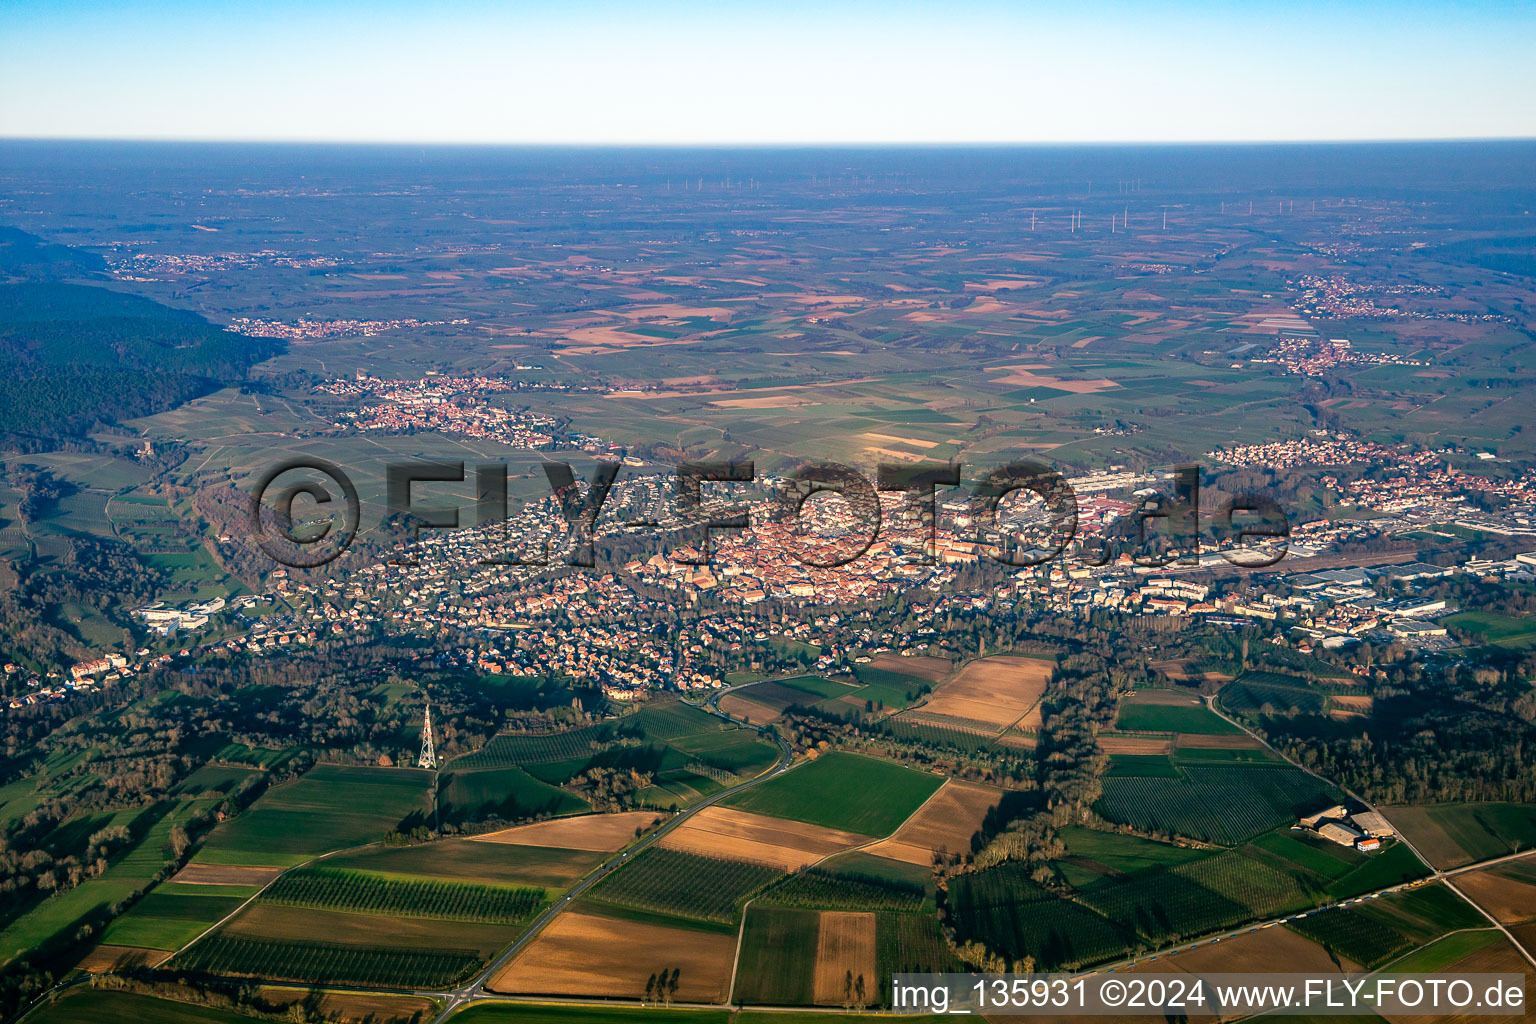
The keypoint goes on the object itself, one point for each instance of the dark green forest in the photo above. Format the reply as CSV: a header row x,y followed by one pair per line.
x,y
74,356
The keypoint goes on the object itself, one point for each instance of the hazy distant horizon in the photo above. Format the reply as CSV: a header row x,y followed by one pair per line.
x,y
1495,170
813,144
678,72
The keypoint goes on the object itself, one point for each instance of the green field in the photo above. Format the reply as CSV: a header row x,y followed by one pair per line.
x,y
689,753
510,794
465,860
218,779
1390,866
1099,856
169,917
776,964
1248,696
895,690
258,757
804,691
737,751
1336,872
1016,918
1166,718
1492,628
1376,931
843,791
510,750
883,869
330,807
670,720
129,873
1205,895
1488,830
676,788
816,686
1444,952
1303,851
1201,755
1142,766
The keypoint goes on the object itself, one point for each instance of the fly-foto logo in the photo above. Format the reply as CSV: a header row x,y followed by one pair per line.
x,y
1166,527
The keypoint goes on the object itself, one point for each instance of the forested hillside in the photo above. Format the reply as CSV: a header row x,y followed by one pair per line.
x,y
76,355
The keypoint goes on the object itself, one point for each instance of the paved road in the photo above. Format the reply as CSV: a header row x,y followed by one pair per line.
x,y
1210,703
1362,898
473,991
1438,874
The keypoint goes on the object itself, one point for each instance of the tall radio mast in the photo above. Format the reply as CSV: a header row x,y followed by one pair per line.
x,y
428,758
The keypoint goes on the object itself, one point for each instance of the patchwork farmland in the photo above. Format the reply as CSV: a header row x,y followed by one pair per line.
x,y
328,808
689,753
433,912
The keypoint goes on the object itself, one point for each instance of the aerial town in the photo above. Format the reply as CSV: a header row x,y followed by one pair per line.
x,y
572,621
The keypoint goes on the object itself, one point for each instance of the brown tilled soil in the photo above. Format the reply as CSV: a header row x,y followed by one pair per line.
x,y
598,833
1511,900
1427,836
845,943
946,822
351,1007
753,712
112,958
1198,742
1499,958
583,954
1256,952
1023,378
218,874
301,924
932,669
1178,697
997,691
741,835
1112,743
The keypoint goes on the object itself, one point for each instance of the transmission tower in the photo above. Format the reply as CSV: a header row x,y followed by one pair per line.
x,y
428,758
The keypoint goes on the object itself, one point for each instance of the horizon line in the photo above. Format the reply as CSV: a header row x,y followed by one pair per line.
x,y
758,144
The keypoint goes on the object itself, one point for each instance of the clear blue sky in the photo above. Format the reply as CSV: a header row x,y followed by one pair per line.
x,y
745,72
